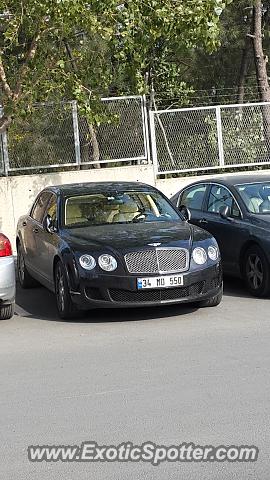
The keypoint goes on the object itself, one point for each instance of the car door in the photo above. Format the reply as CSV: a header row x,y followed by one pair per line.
x,y
31,230
193,198
230,233
48,242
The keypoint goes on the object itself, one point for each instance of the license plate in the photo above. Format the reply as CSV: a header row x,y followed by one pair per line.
x,y
160,282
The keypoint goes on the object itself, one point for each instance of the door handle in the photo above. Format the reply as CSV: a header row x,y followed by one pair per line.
x,y
35,230
203,221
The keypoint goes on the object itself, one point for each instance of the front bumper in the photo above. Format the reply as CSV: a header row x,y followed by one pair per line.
x,y
112,291
7,280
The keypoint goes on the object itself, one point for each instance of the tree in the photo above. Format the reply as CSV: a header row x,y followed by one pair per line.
x,y
260,59
154,38
67,49
36,40
261,67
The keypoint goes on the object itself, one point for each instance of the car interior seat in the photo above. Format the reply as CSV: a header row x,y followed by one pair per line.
x,y
109,213
265,205
216,203
254,205
196,201
127,212
74,214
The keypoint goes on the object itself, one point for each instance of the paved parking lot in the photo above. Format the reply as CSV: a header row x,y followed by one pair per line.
x,y
169,375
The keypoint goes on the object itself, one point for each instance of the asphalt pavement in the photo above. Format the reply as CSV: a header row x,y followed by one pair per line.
x,y
167,375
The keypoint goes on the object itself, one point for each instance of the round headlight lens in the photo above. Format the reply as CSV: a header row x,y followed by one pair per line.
x,y
213,252
107,263
199,256
87,261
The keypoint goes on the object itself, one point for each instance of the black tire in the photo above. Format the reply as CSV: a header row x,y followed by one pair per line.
x,y
25,279
65,307
255,270
213,301
6,311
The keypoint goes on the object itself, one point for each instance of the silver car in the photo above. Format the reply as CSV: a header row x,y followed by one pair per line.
x,y
7,279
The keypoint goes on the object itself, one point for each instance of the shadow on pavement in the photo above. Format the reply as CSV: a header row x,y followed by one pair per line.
x,y
235,287
39,303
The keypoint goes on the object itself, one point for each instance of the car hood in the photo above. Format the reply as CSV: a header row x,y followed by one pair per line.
x,y
130,236
261,220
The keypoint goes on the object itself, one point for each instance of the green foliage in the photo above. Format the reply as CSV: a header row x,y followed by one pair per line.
x,y
67,49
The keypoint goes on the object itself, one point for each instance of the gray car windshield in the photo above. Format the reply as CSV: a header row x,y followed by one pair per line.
x,y
117,207
256,196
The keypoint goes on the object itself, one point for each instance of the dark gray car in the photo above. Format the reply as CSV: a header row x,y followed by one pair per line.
x,y
235,209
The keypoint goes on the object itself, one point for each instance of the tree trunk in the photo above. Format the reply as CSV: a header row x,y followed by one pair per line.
x,y
261,68
243,72
95,145
5,122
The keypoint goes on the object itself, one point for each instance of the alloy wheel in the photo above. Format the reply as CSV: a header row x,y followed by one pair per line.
x,y
60,290
254,271
21,266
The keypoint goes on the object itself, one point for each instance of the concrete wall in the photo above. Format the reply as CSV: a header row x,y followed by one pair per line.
x,y
18,193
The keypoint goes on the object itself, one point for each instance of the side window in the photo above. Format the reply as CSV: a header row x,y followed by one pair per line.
x,y
38,210
193,197
221,197
52,209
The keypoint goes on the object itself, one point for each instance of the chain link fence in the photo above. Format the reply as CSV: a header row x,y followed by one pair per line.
x,y
124,138
43,139
2,158
246,134
2,169
56,136
182,140
205,138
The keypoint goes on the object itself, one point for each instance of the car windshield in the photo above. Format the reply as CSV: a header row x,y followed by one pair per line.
x,y
256,196
117,207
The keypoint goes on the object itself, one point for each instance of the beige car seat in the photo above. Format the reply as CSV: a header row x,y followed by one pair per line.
x,y
127,212
74,214
254,205
109,213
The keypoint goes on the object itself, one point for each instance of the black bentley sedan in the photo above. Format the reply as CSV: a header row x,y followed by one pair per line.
x,y
235,209
114,245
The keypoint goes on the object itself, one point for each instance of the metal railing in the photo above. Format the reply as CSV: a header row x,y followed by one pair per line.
x,y
57,136
205,138
182,140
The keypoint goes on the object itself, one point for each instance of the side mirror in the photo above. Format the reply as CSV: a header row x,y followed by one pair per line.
x,y
185,212
48,224
225,212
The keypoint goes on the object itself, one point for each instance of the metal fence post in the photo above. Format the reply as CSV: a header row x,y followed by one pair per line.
x,y
153,141
146,129
220,137
76,132
5,152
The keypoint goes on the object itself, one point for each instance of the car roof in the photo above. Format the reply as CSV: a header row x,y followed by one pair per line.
x,y
235,179
98,187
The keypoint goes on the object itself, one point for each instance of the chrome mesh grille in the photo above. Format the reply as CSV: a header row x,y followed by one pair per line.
x,y
171,260
160,260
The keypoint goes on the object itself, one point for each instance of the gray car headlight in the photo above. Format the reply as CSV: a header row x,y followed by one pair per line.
x,y
87,262
107,263
199,256
213,252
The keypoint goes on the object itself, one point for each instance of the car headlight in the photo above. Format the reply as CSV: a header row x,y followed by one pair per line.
x,y
213,252
199,255
87,261
107,263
